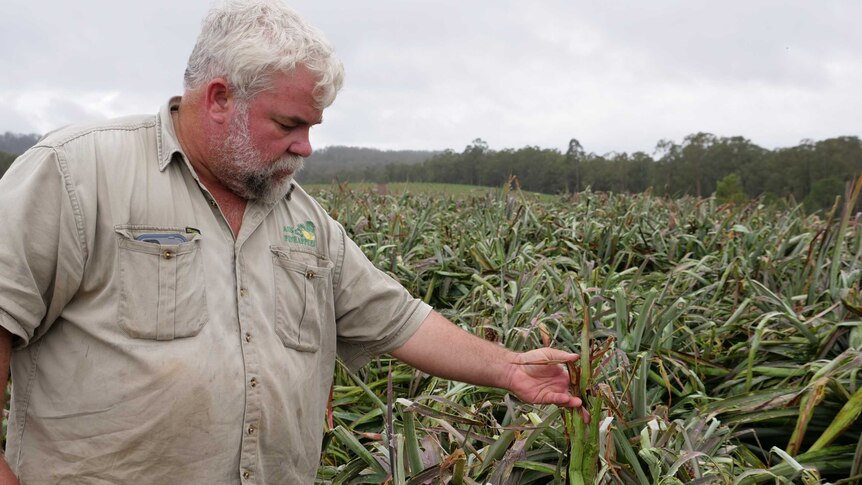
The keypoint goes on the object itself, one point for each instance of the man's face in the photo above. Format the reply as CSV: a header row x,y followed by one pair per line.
x,y
267,139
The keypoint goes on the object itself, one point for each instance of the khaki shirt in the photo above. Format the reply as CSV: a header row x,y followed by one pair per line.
x,y
207,361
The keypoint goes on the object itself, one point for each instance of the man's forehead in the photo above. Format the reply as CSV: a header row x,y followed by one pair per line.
x,y
291,98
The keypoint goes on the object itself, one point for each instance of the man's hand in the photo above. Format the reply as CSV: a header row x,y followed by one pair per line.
x,y
539,377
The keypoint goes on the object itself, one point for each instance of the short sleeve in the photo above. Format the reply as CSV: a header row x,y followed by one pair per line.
x,y
41,257
374,313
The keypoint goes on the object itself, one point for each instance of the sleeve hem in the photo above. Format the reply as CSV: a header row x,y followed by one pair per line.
x,y
15,328
394,341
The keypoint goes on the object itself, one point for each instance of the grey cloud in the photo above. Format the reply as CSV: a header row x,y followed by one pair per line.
x,y
436,74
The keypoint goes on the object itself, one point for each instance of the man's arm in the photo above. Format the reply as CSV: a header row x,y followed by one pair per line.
x,y
6,475
441,348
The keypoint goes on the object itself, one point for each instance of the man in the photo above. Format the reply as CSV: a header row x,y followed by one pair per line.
x,y
174,302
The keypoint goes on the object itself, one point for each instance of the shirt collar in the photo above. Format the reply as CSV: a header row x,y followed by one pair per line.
x,y
168,143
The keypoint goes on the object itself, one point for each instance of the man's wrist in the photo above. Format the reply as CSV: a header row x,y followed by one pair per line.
x,y
511,361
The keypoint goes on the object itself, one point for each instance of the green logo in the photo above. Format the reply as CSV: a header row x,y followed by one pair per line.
x,y
301,234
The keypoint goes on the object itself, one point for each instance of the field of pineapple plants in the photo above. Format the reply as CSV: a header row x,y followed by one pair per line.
x,y
720,344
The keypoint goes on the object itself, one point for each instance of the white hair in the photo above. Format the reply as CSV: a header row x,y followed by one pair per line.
x,y
246,41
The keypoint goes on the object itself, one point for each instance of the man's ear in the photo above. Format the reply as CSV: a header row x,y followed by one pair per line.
x,y
218,100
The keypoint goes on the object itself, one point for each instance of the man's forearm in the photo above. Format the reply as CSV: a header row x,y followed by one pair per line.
x,y
443,349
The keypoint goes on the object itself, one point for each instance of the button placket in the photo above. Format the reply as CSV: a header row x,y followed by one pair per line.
x,y
250,450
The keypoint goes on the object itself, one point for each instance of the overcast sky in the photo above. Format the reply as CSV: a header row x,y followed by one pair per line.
x,y
435,74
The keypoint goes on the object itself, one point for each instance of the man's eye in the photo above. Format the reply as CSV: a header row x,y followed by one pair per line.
x,y
286,127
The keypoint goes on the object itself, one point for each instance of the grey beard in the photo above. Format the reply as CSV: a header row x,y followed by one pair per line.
x,y
257,186
262,187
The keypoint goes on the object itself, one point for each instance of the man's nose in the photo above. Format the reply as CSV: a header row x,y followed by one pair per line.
x,y
302,145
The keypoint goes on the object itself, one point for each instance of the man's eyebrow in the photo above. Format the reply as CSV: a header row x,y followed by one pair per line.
x,y
298,120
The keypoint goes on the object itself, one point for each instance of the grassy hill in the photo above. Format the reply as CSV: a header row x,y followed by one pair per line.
x,y
419,189
6,160
328,163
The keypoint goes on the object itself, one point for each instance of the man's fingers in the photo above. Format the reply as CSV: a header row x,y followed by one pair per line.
x,y
577,403
585,415
555,354
546,356
566,400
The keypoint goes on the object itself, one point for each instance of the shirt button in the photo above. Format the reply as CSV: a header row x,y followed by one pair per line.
x,y
251,429
309,274
214,204
253,382
242,292
168,254
246,475
248,337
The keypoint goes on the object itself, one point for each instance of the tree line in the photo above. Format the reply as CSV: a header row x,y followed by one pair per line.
x,y
12,144
6,160
701,165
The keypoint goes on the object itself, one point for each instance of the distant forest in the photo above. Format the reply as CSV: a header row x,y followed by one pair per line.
x,y
12,144
731,168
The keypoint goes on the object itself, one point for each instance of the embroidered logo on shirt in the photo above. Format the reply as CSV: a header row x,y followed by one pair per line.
x,y
301,234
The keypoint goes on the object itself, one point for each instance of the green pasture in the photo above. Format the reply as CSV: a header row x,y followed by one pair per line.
x,y
419,189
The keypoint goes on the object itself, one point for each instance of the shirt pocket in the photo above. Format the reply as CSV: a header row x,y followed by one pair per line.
x,y
303,297
162,290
